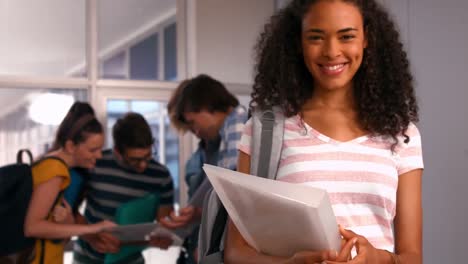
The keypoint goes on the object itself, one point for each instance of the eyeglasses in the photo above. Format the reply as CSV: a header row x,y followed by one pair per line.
x,y
137,160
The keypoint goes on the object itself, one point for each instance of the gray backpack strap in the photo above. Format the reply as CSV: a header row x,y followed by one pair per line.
x,y
213,212
266,142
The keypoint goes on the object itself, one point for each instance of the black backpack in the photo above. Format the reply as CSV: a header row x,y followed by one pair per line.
x,y
16,185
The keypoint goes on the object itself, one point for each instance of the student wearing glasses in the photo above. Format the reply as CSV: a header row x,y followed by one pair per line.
x,y
126,172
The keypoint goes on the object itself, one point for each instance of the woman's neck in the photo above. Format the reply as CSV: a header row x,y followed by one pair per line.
x,y
60,153
341,99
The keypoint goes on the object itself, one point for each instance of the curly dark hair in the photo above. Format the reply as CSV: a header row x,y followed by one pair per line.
x,y
383,88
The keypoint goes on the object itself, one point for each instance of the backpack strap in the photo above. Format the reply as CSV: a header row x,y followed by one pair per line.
x,y
57,201
266,142
55,241
268,121
50,157
210,239
19,156
267,138
218,230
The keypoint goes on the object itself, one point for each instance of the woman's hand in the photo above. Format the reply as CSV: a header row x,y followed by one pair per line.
x,y
366,253
311,257
101,226
63,213
331,256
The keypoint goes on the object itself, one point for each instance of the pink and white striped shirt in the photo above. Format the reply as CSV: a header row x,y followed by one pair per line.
x,y
360,175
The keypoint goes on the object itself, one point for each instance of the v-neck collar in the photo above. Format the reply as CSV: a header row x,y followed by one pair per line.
x,y
312,131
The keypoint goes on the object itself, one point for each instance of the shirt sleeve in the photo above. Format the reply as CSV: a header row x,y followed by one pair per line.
x,y
246,138
410,154
49,168
230,138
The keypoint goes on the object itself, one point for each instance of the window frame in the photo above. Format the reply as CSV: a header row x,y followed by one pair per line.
x,y
99,90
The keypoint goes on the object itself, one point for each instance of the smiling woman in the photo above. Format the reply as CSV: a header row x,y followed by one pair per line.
x,y
333,45
49,217
338,72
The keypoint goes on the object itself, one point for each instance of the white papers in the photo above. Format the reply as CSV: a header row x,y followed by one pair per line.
x,y
143,232
136,232
276,218
161,231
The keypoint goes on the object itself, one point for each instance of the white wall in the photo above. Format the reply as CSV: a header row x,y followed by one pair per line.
x,y
437,34
226,32
439,41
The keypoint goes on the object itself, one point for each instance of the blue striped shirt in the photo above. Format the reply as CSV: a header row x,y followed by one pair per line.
x,y
231,133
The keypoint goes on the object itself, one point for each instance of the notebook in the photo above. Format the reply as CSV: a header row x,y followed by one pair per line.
x,y
137,211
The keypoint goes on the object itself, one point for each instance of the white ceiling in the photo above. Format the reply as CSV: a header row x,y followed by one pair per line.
x,y
47,37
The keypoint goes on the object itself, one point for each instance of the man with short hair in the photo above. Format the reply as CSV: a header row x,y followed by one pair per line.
x,y
204,106
126,172
210,111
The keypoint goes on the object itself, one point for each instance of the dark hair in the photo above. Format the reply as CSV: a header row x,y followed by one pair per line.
x,y
383,88
172,107
79,122
132,131
203,93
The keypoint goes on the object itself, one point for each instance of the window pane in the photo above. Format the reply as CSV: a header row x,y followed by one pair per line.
x,y
170,53
146,107
139,28
115,67
30,117
144,59
45,38
167,142
118,106
172,151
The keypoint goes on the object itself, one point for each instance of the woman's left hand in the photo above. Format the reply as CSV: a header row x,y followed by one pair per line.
x,y
366,253
63,213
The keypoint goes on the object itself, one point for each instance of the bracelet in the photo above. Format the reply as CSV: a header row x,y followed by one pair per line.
x,y
395,259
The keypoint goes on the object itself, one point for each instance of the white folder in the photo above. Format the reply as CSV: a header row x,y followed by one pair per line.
x,y
276,218
144,231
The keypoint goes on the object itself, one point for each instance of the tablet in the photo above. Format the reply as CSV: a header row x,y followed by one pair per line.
x,y
137,211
